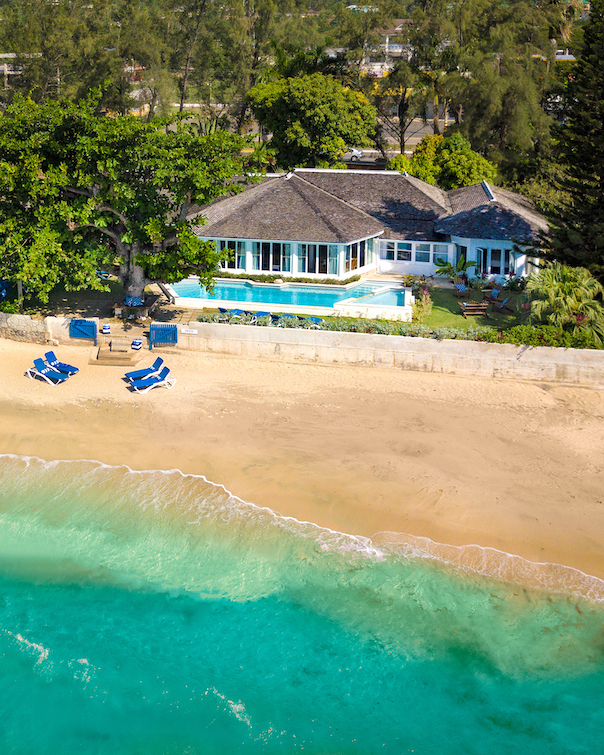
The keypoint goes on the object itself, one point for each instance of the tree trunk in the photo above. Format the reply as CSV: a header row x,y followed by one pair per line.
x,y
185,80
132,275
435,116
403,110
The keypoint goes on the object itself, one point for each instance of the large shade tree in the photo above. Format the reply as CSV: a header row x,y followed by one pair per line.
x,y
312,118
77,188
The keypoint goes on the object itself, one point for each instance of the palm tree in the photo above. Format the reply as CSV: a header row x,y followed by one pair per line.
x,y
568,297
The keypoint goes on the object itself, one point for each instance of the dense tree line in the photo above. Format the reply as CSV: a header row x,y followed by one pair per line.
x,y
482,69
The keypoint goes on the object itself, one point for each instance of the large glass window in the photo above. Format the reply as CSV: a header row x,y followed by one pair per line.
x,y
301,258
496,261
332,260
388,250
229,248
276,257
322,267
256,254
506,261
482,260
307,258
241,255
440,252
286,258
403,251
422,252
370,248
266,255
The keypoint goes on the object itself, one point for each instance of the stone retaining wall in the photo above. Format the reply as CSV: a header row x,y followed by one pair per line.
x,y
22,328
580,366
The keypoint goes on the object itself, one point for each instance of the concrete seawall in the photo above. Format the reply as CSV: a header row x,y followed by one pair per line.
x,y
581,366
578,366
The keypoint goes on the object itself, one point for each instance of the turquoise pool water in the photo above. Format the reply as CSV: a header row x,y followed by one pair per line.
x,y
151,613
287,294
393,297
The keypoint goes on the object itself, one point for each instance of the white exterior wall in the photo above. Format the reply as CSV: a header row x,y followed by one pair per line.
x,y
413,266
520,262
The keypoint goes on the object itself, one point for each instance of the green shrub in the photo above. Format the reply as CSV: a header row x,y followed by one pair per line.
x,y
259,278
10,307
545,335
519,335
422,306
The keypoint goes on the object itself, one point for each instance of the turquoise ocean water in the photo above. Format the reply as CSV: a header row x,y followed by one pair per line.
x,y
151,612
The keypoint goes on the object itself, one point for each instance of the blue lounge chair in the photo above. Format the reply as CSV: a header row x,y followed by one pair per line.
x,y
256,315
162,379
502,306
60,366
42,370
147,372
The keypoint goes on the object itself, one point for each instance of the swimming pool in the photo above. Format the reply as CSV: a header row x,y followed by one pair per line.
x,y
271,294
375,299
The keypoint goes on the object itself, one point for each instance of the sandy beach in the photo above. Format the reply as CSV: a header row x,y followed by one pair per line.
x,y
510,465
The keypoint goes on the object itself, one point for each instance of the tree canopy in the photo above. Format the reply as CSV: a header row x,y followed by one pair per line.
x,y
568,297
577,235
313,119
447,161
77,188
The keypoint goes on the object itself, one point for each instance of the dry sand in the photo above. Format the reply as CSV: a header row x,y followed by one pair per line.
x,y
511,465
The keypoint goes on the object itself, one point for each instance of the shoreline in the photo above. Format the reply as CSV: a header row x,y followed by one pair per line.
x,y
510,466
488,562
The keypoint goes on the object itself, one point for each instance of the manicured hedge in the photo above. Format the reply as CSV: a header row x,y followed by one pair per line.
x,y
520,335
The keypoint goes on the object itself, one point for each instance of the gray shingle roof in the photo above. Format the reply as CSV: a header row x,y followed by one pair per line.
x,y
337,206
505,216
287,208
406,206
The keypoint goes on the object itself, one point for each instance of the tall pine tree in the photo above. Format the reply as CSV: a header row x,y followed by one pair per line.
x,y
577,234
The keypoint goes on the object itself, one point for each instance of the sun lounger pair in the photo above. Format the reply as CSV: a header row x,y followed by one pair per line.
x,y
52,370
155,376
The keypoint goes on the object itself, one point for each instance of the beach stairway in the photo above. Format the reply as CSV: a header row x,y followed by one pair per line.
x,y
117,352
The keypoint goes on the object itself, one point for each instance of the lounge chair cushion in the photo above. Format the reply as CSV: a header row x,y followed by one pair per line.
x,y
146,372
60,366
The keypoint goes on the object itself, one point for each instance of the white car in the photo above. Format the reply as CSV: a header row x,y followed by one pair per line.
x,y
355,154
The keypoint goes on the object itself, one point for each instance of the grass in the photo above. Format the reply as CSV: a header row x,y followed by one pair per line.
x,y
446,313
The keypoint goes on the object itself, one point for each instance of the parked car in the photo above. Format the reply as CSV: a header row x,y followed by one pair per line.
x,y
355,154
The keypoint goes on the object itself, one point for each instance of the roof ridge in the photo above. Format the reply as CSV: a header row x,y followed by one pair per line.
x,y
447,206
334,196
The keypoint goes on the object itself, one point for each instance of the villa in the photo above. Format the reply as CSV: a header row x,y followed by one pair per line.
x,y
317,223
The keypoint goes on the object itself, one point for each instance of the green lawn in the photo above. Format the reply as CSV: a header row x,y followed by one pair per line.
x,y
447,314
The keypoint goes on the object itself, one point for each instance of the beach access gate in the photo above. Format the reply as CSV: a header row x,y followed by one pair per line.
x,y
83,329
162,333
